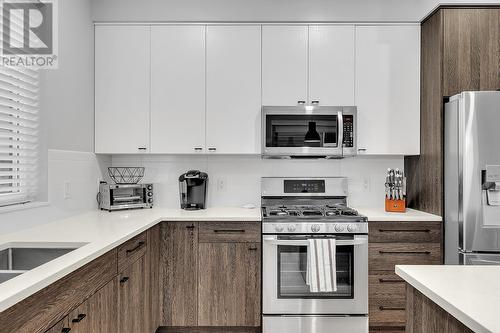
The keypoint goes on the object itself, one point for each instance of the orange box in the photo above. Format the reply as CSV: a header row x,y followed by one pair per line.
x,y
395,206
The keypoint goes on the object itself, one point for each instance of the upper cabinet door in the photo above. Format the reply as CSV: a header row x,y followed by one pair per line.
x,y
177,89
331,65
122,79
233,89
388,89
284,64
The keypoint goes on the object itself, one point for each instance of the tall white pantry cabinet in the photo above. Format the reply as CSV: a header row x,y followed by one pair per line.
x,y
199,89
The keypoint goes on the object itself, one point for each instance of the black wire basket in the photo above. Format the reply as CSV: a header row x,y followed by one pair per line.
x,y
126,175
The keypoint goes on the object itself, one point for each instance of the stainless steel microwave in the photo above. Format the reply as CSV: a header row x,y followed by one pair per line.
x,y
308,131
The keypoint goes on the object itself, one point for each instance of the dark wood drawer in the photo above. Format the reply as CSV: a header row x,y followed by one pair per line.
x,y
384,256
386,285
405,232
387,313
210,232
132,250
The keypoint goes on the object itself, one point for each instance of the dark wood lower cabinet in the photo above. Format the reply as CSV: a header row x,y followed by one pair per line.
x,y
132,298
229,284
425,316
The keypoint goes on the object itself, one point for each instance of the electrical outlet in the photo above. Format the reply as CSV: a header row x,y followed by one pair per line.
x,y
67,190
221,184
366,183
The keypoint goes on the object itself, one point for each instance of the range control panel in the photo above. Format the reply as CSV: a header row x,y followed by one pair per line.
x,y
348,131
304,186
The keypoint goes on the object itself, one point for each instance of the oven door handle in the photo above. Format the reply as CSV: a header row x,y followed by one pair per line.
x,y
304,242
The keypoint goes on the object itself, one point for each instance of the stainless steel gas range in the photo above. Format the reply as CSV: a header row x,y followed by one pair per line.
x,y
294,212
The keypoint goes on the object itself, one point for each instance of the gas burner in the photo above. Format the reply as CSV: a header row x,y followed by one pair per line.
x,y
312,213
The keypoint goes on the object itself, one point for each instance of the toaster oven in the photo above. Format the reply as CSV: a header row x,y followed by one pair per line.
x,y
125,196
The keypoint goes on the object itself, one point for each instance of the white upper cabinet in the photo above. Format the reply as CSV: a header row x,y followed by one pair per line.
x,y
388,89
122,79
178,89
284,64
331,65
233,89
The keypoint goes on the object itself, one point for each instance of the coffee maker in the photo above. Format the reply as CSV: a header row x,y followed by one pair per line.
x,y
193,190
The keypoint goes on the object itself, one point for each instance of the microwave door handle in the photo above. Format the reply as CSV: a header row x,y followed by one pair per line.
x,y
340,139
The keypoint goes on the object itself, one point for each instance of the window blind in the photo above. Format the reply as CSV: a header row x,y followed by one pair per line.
x,y
19,121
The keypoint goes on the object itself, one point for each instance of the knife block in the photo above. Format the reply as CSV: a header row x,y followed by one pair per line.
x,y
395,206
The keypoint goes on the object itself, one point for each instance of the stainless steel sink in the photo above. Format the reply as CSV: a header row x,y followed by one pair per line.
x,y
17,259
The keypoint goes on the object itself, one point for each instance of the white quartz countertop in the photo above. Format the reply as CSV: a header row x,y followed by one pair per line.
x,y
380,215
99,231
471,294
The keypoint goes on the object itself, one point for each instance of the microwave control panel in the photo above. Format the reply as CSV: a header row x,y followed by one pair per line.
x,y
348,131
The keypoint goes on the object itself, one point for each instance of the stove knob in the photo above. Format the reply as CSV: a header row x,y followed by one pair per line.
x,y
339,228
291,228
278,228
352,227
315,228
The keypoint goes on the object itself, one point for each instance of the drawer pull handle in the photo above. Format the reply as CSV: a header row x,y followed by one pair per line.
x,y
80,317
124,279
139,245
252,249
391,308
65,330
404,230
390,281
405,252
229,231
190,227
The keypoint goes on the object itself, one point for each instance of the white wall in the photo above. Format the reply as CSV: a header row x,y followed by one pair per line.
x,y
241,176
268,10
67,94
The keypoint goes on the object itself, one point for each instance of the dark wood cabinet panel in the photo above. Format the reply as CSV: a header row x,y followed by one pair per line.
x,y
384,256
103,309
153,268
61,327
229,284
425,316
471,52
132,298
47,307
387,300
179,264
405,232
460,52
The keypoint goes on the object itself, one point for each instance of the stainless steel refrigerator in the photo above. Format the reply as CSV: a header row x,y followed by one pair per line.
x,y
472,178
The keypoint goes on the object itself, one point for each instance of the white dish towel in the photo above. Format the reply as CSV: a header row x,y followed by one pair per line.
x,y
321,275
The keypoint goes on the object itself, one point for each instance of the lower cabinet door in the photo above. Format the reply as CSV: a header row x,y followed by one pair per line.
x,y
229,284
132,296
98,314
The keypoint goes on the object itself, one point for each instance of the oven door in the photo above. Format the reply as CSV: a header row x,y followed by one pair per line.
x,y
284,270
302,131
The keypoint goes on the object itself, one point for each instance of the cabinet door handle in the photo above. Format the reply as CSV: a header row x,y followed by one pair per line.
x,y
124,279
404,230
139,245
66,330
314,102
79,318
391,308
212,149
190,227
198,149
252,249
361,149
301,102
229,231
405,252
390,281
142,148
